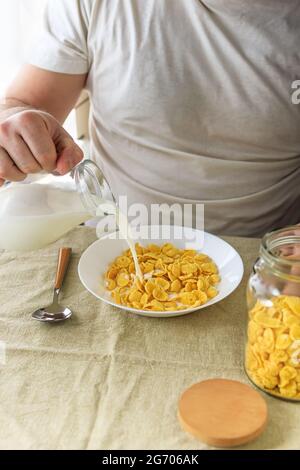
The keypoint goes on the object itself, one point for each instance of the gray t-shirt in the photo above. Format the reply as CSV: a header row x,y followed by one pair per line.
x,y
191,101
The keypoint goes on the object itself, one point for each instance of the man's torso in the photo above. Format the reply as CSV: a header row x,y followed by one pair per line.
x,y
192,103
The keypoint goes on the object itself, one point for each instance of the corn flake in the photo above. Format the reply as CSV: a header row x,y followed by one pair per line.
x,y
283,341
295,332
294,304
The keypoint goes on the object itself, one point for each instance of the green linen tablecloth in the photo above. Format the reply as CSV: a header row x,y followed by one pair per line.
x,y
107,379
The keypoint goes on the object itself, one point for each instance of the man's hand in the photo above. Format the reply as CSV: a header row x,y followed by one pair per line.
x,y
32,141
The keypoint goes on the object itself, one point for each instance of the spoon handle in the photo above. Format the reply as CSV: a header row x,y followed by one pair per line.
x,y
63,263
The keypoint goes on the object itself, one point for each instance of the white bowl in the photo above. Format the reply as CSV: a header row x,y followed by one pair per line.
x,y
95,260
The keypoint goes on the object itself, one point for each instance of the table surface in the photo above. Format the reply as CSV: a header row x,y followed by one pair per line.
x,y
107,379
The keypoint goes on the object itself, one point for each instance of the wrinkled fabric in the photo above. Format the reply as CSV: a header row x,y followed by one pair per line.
x,y
107,379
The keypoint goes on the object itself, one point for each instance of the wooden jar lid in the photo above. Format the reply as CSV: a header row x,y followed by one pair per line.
x,y
223,413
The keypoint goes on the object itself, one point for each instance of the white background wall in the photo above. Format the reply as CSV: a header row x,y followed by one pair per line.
x,y
19,22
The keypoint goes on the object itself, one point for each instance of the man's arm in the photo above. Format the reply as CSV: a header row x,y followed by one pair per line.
x,y
55,93
31,136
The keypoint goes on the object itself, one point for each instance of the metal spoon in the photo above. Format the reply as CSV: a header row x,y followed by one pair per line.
x,y
55,312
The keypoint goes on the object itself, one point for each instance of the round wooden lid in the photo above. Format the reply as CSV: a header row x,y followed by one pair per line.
x,y
223,413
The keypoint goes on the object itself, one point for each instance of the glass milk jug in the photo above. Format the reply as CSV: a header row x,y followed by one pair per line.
x,y
33,215
272,359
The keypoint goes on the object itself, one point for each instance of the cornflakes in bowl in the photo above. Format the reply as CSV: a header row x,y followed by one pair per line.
x,y
173,279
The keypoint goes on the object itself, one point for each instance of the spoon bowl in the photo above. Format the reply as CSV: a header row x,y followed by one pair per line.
x,y
51,314
44,316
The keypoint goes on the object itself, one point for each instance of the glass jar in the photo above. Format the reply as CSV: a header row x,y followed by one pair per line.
x,y
272,359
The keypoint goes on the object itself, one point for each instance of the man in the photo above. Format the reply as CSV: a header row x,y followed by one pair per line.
x,y
191,102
